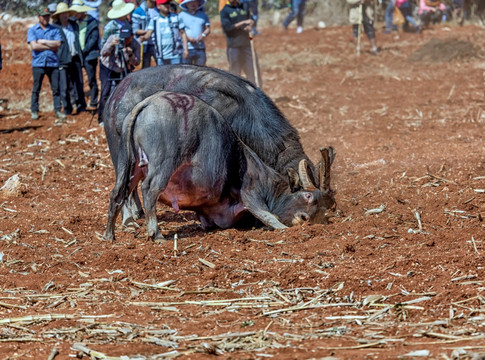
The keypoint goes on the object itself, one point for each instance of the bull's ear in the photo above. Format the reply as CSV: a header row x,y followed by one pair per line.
x,y
294,180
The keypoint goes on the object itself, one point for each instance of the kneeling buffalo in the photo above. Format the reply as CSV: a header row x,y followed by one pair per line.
x,y
188,157
252,115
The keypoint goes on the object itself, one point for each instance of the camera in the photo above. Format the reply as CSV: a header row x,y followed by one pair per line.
x,y
125,33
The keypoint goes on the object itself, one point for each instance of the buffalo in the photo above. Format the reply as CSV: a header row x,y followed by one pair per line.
x,y
252,115
189,157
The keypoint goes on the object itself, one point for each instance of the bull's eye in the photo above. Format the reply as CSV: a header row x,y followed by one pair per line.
x,y
308,196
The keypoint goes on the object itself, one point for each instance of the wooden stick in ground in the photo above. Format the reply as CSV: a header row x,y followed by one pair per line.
x,y
359,30
255,63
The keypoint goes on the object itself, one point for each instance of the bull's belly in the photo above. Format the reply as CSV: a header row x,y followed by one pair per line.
x,y
212,207
220,212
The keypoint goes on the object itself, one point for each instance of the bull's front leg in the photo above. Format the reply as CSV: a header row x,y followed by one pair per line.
x,y
115,203
132,209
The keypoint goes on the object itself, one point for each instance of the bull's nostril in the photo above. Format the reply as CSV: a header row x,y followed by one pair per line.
x,y
305,217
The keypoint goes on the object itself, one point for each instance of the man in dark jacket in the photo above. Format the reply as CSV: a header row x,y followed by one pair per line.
x,y
237,23
70,61
89,41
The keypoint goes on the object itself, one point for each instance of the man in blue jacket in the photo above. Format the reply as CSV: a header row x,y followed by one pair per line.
x,y
44,40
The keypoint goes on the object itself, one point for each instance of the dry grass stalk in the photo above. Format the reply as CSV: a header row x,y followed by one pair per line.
x,y
49,317
11,306
54,352
207,263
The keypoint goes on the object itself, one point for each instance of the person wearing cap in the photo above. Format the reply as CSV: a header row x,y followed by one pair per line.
x,y
44,39
197,28
89,42
70,61
141,18
237,24
170,39
120,54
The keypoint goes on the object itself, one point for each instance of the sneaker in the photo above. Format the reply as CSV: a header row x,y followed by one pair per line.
x,y
60,115
35,115
299,30
375,51
101,124
92,108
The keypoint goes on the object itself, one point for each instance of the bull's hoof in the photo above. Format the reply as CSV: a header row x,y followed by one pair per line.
x,y
108,236
158,238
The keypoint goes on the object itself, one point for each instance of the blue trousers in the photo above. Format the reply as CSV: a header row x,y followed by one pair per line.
x,y
38,74
407,13
297,11
173,61
389,16
196,57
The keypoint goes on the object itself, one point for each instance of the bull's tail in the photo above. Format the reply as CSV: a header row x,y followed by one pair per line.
x,y
127,163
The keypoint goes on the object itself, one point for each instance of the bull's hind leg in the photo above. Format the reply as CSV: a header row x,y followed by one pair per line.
x,y
151,188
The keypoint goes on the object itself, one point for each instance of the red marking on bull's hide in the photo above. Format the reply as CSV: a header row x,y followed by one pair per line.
x,y
182,102
117,95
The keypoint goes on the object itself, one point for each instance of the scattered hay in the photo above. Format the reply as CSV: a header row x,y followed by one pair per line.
x,y
439,50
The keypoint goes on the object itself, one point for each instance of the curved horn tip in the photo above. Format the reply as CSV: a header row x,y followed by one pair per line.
x,y
306,183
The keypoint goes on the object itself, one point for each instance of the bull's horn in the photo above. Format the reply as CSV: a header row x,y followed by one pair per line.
x,y
328,154
305,181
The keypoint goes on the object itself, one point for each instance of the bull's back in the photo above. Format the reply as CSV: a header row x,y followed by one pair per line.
x,y
251,114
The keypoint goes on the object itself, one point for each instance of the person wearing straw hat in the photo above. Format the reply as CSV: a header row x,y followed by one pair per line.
x,y
119,53
118,15
141,18
197,28
89,41
237,24
44,39
70,61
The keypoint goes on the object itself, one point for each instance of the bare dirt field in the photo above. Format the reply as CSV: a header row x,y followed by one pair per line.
x,y
399,271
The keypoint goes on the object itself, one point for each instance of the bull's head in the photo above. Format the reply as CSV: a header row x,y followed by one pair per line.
x,y
311,202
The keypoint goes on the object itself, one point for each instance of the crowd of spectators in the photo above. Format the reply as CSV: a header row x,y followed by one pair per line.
x,y
66,41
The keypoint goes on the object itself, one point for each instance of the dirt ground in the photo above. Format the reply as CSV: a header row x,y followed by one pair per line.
x,y
399,272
